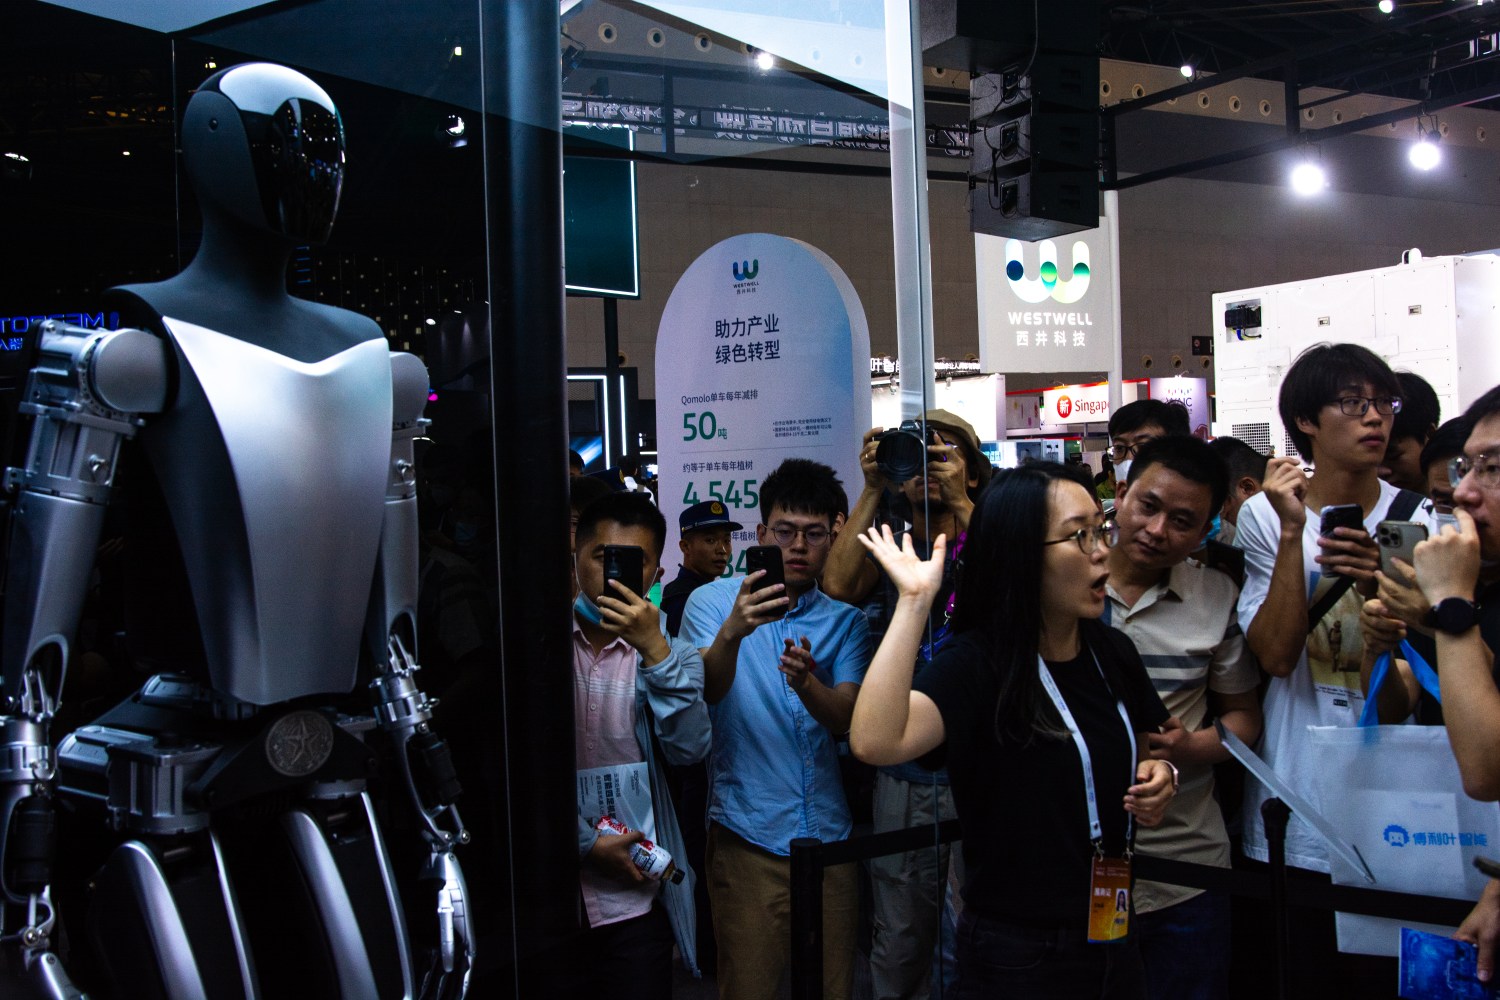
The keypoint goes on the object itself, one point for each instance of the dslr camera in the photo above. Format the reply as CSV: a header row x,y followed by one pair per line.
x,y
901,452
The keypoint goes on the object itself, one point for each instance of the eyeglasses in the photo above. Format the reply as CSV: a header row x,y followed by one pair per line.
x,y
1120,452
817,536
1089,538
1358,406
1486,470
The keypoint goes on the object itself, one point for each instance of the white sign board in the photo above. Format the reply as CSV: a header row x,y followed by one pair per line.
x,y
1048,306
1191,394
763,354
977,400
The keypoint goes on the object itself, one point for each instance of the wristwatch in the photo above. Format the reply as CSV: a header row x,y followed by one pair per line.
x,y
1453,615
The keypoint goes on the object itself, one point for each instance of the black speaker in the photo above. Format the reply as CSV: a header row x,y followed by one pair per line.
x,y
1034,147
983,36
1035,205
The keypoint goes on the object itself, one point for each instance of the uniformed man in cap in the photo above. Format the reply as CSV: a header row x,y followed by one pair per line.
x,y
706,550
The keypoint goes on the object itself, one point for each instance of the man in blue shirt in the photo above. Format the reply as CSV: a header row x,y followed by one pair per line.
x,y
782,668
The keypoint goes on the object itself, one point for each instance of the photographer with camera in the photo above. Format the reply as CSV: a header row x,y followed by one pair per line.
x,y
923,483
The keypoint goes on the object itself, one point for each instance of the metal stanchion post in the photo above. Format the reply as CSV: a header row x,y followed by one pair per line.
x,y
1276,814
807,919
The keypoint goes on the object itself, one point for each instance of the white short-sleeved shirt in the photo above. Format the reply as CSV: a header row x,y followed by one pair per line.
x,y
1323,690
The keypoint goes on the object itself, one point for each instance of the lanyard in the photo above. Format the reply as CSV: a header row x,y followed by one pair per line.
x,y
1096,833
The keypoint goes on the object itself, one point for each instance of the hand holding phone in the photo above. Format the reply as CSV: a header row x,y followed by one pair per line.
x,y
768,558
1344,515
1399,540
626,563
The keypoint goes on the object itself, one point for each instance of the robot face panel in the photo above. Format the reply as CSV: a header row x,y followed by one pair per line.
x,y
296,146
298,155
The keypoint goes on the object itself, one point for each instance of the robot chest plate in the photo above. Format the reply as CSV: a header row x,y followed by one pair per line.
x,y
281,596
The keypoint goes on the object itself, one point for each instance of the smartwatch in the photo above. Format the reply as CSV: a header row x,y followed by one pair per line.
x,y
1453,615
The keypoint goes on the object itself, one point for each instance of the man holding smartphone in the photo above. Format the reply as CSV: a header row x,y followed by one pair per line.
x,y
783,665
635,691
1303,591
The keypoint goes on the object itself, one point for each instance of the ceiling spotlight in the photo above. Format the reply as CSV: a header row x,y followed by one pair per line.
x,y
1386,6
1424,153
1186,69
1308,178
764,60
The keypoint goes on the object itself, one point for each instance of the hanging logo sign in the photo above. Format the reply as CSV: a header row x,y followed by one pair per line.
x,y
763,354
1076,404
1189,393
1047,306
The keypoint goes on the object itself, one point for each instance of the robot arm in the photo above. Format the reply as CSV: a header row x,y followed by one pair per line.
x,y
403,712
86,393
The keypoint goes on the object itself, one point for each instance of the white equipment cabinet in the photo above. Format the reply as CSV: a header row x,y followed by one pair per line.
x,y
1438,317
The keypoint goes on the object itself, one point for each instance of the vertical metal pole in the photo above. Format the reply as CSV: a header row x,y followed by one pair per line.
x,y
614,451
532,757
1117,355
913,243
807,919
1276,815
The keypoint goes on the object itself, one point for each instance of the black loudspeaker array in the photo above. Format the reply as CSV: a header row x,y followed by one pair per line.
x,y
1033,109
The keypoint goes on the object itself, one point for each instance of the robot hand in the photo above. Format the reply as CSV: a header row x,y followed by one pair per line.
x,y
405,713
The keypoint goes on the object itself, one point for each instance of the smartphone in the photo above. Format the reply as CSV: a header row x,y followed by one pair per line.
x,y
1344,515
626,563
1397,539
768,558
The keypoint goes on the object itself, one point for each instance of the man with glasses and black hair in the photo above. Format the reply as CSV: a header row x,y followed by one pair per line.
x,y
1300,606
1139,422
783,665
1458,573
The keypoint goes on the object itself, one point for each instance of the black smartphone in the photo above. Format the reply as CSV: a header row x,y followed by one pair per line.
x,y
626,563
1344,515
768,558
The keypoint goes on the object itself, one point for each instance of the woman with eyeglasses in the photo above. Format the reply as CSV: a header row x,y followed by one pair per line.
x,y
1040,713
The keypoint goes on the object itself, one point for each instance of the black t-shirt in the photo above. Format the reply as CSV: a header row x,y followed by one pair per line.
x,y
1023,811
674,597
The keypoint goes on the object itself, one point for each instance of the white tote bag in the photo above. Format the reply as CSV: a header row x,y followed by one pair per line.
x,y
1396,793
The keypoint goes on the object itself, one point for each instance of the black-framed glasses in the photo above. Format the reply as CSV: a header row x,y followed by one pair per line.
x,y
785,534
1120,452
1358,406
1485,467
1089,538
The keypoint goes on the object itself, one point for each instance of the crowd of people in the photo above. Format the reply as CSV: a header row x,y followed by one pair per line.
x,y
1044,659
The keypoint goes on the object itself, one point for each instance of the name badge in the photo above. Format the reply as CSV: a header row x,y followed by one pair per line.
x,y
1109,900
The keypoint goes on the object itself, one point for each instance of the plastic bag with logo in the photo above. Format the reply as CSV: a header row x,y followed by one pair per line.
x,y
1396,793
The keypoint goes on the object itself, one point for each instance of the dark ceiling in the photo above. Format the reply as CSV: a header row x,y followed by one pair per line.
x,y
1424,50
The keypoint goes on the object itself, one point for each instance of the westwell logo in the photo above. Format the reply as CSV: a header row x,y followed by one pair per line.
x,y
1048,282
746,270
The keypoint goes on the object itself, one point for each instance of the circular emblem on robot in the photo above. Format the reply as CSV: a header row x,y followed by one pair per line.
x,y
299,743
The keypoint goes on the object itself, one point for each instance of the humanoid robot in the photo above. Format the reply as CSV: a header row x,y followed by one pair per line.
x,y
217,835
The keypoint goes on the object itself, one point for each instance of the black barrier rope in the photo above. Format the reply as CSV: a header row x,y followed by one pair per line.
x,y
811,856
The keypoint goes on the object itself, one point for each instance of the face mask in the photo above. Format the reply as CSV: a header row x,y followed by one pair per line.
x,y
1213,532
587,609
1122,470
465,533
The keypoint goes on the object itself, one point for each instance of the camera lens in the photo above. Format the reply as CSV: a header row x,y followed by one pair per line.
x,y
901,454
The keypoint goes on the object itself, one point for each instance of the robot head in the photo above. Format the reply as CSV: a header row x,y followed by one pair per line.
x,y
265,145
